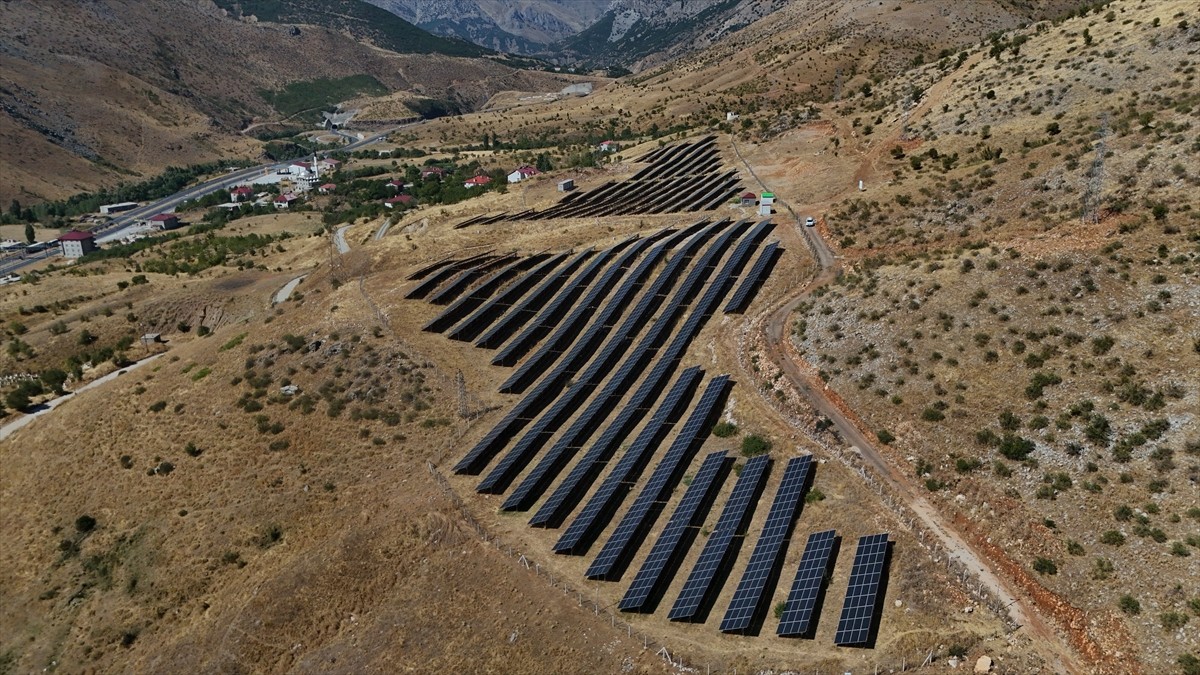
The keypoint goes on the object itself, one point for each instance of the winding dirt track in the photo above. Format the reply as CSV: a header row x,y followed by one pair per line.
x,y
1022,610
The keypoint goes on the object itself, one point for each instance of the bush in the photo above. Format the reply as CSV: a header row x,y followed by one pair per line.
x,y
158,406
1074,547
1173,620
885,436
1189,664
1130,605
1015,448
932,415
1112,538
725,430
192,450
1045,566
966,465
85,523
814,495
754,445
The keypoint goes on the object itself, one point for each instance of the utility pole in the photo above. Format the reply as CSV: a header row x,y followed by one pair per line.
x,y
1095,177
460,384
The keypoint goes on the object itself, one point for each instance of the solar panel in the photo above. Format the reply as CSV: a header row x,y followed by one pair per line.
x,y
598,321
568,493
669,545
858,611
490,311
585,383
741,297
806,589
554,312
528,308
626,538
469,301
715,555
748,598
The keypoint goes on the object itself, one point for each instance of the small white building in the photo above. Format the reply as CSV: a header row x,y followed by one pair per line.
x,y
109,209
76,244
522,173
566,185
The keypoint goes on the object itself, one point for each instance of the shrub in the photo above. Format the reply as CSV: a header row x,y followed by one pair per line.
x,y
281,444
885,436
724,429
1102,569
1173,620
1045,566
932,415
966,465
754,445
192,450
1112,538
85,523
1015,448
158,406
1074,547
814,495
1129,605
1189,664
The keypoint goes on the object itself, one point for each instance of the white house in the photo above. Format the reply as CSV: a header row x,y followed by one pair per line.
x,y
522,173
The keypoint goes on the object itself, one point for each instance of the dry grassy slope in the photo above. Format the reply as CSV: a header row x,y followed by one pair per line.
x,y
370,566
952,332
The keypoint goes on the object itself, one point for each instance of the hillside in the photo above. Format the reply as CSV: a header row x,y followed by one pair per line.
x,y
362,20
986,342
130,88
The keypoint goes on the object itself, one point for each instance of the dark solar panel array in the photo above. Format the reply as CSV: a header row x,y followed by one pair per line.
x,y
604,402
423,289
669,547
751,590
529,307
586,382
630,531
470,301
588,312
493,309
560,502
806,589
741,297
595,514
858,611
430,269
568,494
557,309
735,516
463,280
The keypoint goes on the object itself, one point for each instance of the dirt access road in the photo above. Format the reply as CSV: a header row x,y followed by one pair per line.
x,y
1023,611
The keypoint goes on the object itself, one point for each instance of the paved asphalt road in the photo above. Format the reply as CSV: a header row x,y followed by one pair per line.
x,y
118,227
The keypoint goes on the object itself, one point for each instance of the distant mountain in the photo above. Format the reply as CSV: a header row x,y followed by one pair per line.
x,y
518,27
594,32
359,18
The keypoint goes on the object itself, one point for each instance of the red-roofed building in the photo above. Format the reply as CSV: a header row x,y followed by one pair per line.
x,y
477,181
396,184
241,193
433,172
749,199
607,146
326,188
402,200
76,244
165,221
285,201
522,173
329,164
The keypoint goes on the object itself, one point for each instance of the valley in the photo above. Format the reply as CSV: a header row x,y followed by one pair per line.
x,y
437,409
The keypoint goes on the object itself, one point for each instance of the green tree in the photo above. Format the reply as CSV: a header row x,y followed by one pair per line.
x,y
29,235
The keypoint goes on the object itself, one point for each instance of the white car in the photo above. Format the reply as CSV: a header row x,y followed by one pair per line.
x,y
809,222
